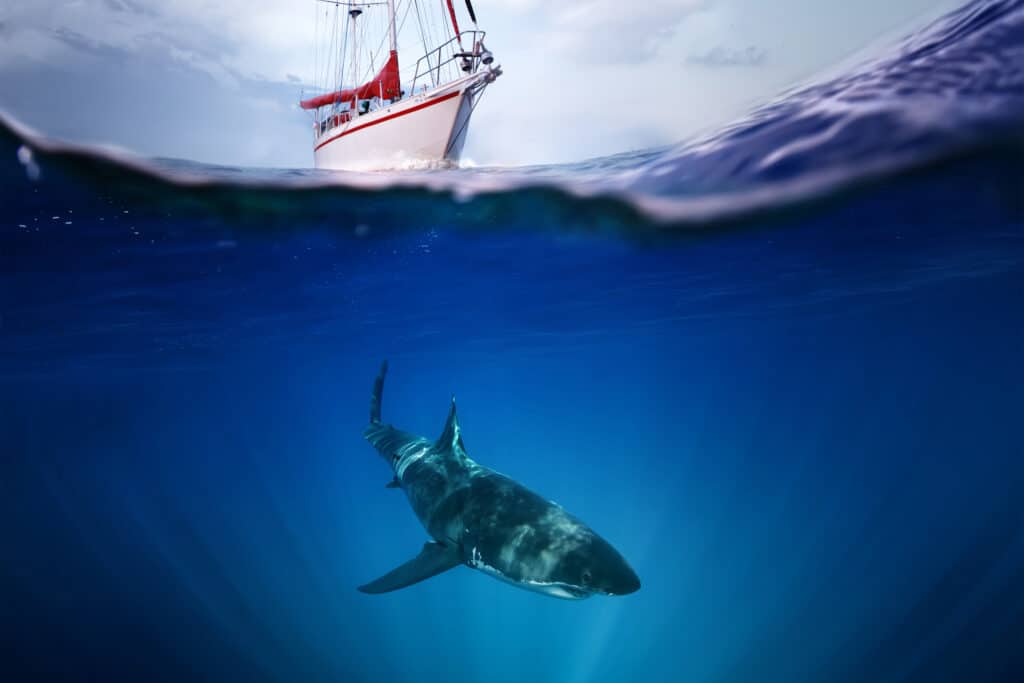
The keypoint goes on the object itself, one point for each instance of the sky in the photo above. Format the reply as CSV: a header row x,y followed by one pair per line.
x,y
219,82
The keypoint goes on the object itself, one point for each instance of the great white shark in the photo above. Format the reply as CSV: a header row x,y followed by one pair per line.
x,y
487,521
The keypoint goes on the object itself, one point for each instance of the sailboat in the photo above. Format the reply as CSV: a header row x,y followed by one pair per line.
x,y
385,123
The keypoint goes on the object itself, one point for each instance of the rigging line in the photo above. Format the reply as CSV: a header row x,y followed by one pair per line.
x,y
333,68
329,71
316,41
316,47
336,39
359,75
380,45
423,37
341,71
336,73
324,78
328,66
408,6
445,24
364,43
435,42
324,73
432,29
320,56
398,30
350,4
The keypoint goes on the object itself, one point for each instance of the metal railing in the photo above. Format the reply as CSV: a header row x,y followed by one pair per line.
x,y
459,61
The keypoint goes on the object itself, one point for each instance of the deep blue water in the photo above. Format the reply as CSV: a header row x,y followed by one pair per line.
x,y
781,369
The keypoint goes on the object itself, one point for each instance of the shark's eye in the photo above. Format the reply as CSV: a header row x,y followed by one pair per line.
x,y
587,578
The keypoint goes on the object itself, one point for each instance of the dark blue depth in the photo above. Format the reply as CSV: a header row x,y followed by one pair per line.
x,y
803,429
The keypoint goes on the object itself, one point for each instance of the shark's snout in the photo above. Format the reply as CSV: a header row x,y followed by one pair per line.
x,y
625,582
608,572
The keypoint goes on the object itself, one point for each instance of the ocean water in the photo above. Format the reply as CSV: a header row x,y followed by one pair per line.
x,y
780,368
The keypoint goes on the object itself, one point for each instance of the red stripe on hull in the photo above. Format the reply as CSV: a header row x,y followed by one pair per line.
x,y
392,116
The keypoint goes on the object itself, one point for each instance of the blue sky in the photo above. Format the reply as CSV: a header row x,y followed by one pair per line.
x,y
219,82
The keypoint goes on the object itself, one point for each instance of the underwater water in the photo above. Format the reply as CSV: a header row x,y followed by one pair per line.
x,y
780,369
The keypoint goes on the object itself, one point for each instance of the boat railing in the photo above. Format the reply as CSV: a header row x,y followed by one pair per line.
x,y
451,59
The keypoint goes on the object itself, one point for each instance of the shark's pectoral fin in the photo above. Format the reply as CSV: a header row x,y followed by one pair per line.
x,y
432,560
393,484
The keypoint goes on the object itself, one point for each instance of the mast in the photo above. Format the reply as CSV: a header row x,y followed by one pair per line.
x,y
354,13
391,24
386,85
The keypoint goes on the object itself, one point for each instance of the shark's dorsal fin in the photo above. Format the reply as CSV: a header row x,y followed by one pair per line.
x,y
451,437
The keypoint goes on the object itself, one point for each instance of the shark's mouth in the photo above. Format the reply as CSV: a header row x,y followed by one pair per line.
x,y
553,588
558,590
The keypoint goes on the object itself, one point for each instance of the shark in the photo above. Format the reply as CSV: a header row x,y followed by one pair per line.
x,y
487,521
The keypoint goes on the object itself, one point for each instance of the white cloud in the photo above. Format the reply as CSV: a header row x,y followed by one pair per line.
x,y
230,36
582,78
517,5
613,32
722,56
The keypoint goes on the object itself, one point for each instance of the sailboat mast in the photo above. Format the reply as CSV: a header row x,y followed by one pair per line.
x,y
353,14
391,22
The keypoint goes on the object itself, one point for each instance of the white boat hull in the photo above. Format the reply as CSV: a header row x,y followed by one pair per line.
x,y
425,129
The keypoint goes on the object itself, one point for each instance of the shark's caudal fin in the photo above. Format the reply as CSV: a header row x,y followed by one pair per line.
x,y
451,437
385,438
378,391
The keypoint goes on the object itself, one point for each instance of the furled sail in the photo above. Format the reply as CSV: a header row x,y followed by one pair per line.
x,y
385,84
455,22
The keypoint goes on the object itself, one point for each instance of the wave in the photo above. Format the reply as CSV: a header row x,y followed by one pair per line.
x,y
951,91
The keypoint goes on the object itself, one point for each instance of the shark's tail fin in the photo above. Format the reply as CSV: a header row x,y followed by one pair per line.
x,y
378,391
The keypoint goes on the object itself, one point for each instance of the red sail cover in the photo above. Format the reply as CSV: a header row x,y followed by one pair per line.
x,y
386,81
455,22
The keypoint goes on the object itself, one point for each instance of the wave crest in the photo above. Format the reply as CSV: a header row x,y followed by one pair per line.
x,y
951,89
